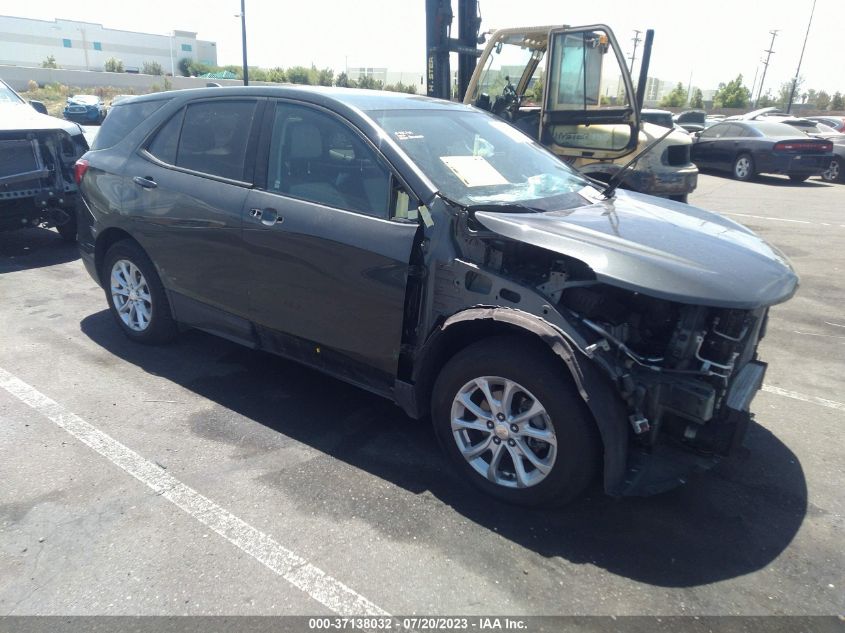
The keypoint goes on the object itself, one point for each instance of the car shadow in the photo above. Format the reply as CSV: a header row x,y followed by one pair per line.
x,y
723,524
34,248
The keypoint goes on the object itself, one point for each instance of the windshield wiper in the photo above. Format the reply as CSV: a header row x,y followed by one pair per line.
x,y
496,207
617,178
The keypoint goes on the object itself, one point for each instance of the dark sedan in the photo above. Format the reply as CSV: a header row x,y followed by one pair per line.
x,y
748,148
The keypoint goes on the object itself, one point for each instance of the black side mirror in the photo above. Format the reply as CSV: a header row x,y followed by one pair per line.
x,y
39,106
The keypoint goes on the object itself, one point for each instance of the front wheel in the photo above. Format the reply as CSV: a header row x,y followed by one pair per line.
x,y
834,173
67,231
509,416
744,168
135,294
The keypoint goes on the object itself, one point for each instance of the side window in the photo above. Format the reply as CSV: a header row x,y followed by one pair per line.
x,y
166,139
315,157
214,137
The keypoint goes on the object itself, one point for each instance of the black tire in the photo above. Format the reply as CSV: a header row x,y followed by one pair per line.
x,y
681,197
835,172
532,366
68,229
743,168
161,326
797,178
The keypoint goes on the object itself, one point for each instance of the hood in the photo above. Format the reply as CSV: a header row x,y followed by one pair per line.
x,y
22,116
660,248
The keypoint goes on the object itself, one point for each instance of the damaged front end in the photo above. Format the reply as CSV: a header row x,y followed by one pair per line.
x,y
36,177
651,298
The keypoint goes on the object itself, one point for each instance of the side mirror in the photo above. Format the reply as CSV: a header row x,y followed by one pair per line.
x,y
39,106
697,135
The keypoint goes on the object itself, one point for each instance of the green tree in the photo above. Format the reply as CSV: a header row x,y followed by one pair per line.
x,y
324,77
50,62
185,67
822,100
766,100
366,81
342,81
298,75
113,65
676,98
838,101
697,100
732,94
152,68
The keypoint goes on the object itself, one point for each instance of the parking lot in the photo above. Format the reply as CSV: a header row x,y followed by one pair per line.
x,y
206,478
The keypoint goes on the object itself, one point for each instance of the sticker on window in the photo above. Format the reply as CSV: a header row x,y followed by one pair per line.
x,y
406,135
511,132
474,171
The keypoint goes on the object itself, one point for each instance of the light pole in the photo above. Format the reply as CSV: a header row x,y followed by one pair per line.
x,y
766,65
243,35
800,59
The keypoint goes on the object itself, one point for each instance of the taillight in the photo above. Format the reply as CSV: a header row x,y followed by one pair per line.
x,y
79,169
802,146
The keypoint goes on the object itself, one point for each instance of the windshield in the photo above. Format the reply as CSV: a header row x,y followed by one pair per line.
x,y
474,158
507,64
86,99
7,95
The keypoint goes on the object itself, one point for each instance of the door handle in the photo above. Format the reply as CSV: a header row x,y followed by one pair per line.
x,y
267,217
146,182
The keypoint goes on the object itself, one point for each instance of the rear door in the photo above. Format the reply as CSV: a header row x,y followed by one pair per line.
x,y
589,104
328,265
185,194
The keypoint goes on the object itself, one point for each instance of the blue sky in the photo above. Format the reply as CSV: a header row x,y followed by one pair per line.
x,y
712,40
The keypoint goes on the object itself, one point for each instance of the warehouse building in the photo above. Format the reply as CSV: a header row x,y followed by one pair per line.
x,y
87,46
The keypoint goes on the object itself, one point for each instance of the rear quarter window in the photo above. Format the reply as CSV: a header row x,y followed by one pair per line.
x,y
122,119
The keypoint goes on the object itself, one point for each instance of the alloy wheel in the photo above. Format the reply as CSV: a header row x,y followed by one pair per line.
x,y
131,295
503,432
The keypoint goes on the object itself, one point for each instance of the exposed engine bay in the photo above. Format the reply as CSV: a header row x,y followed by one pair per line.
x,y
36,177
686,373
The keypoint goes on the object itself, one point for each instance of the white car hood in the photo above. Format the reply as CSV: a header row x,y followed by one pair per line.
x,y
21,116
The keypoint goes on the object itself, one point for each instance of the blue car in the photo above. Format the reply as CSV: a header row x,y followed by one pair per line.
x,y
85,109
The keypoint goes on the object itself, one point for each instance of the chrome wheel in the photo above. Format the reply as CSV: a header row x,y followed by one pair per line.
x,y
742,167
131,295
503,432
832,173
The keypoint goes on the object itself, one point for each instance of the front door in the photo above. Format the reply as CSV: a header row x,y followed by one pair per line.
x,y
328,265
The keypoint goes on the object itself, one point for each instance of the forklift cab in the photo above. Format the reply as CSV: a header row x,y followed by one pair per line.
x,y
567,87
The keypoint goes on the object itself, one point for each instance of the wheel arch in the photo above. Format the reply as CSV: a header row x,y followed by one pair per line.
x,y
475,324
105,240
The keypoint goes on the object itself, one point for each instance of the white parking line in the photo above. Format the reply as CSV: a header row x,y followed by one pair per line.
x,y
766,217
296,570
831,404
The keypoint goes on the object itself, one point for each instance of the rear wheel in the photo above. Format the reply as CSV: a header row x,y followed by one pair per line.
x,y
680,197
834,173
744,167
510,418
797,178
135,294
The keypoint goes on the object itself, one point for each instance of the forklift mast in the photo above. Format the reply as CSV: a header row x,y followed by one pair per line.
x,y
439,43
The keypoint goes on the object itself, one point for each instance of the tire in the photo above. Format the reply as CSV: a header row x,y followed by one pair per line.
x,y
572,457
68,229
743,168
681,197
835,172
128,272
797,178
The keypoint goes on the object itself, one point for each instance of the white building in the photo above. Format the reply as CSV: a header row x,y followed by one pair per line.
x,y
87,46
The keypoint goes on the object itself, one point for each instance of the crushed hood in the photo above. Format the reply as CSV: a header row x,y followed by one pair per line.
x,y
661,248
21,116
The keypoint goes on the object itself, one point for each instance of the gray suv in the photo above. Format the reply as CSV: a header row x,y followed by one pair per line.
x,y
430,253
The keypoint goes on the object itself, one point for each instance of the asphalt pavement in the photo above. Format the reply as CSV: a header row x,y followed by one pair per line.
x,y
202,477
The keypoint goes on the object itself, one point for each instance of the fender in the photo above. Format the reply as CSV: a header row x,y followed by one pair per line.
x,y
596,390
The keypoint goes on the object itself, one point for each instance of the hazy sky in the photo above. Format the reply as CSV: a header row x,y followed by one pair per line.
x,y
713,40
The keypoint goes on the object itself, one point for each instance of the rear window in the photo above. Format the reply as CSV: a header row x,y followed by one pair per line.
x,y
122,119
775,129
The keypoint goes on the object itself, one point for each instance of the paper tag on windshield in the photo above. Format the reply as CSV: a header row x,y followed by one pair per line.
x,y
474,171
591,194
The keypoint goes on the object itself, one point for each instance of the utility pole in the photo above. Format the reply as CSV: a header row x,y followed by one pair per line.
x,y
243,35
800,59
766,65
636,39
